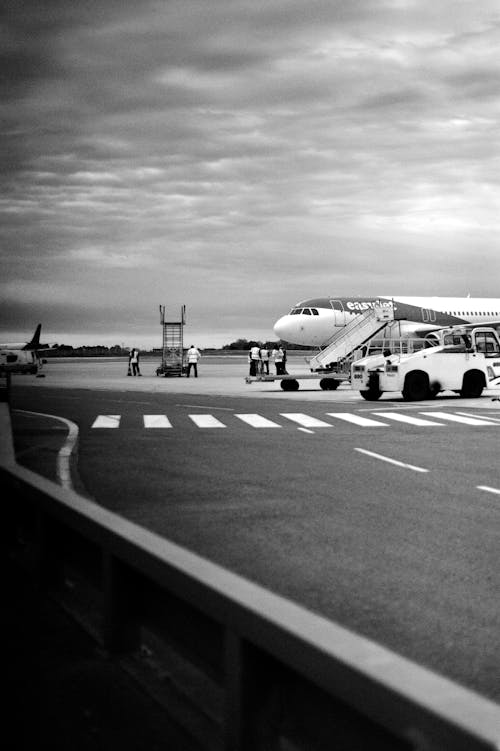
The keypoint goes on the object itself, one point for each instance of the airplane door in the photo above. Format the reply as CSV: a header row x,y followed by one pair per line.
x,y
339,312
428,315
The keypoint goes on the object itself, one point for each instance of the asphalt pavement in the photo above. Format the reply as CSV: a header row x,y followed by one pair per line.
x,y
381,516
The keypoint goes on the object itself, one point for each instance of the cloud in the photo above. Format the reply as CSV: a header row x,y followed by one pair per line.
x,y
238,156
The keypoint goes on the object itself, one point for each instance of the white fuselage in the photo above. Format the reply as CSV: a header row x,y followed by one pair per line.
x,y
313,322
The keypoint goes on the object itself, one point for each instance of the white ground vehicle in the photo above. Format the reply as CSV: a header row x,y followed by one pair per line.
x,y
466,360
20,361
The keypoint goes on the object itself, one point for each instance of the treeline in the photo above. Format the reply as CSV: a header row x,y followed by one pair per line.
x,y
66,350
241,344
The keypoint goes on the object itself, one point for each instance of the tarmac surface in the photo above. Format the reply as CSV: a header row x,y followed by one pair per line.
x,y
382,516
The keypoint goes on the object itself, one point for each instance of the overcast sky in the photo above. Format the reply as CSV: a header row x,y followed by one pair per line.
x,y
237,156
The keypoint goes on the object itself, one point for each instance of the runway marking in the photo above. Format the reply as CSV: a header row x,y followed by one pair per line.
x,y
156,421
305,420
496,420
306,430
107,421
257,421
488,489
63,467
458,418
407,419
357,419
206,421
205,406
391,461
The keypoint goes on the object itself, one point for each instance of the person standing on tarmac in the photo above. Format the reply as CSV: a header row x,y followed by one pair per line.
x,y
193,355
278,360
254,359
264,360
134,362
284,371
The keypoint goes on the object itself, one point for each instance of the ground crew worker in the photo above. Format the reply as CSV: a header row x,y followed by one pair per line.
x,y
278,360
193,355
254,359
133,361
264,360
284,371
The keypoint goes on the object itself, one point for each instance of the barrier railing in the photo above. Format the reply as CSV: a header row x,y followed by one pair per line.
x,y
281,677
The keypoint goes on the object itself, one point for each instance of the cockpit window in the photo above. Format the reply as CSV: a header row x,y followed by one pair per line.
x,y
314,312
306,312
296,311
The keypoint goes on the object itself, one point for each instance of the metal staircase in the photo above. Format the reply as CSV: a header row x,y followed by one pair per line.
x,y
172,359
351,337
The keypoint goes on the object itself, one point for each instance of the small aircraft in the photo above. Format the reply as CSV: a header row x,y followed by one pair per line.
x,y
312,322
23,357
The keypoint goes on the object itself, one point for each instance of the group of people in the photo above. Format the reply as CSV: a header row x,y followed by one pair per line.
x,y
259,357
193,355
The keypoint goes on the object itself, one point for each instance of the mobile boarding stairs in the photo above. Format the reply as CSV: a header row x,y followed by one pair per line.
x,y
333,363
172,351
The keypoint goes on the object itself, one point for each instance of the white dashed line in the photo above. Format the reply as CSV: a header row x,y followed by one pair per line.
x,y
458,418
409,419
391,461
206,421
107,421
306,421
257,421
496,491
156,421
357,419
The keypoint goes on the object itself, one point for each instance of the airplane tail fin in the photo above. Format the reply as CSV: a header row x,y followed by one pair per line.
x,y
35,342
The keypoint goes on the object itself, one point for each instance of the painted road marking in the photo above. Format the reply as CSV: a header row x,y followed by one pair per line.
x,y
107,421
488,489
458,418
357,419
206,421
257,421
490,418
306,421
391,461
409,419
63,466
156,421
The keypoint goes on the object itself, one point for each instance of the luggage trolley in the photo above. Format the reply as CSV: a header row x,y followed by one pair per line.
x,y
172,355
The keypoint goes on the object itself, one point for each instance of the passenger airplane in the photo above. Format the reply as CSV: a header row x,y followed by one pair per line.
x,y
313,322
22,357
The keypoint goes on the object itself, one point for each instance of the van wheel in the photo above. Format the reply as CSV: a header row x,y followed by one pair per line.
x,y
473,384
416,387
290,385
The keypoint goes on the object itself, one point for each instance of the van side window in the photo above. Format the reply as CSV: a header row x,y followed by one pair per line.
x,y
486,343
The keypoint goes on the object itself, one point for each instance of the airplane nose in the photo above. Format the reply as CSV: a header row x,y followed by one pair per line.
x,y
282,328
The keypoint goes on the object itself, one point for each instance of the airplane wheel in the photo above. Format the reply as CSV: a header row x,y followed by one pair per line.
x,y
371,395
328,384
416,387
473,384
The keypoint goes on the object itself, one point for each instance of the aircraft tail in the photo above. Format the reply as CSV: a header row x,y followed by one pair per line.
x,y
35,341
